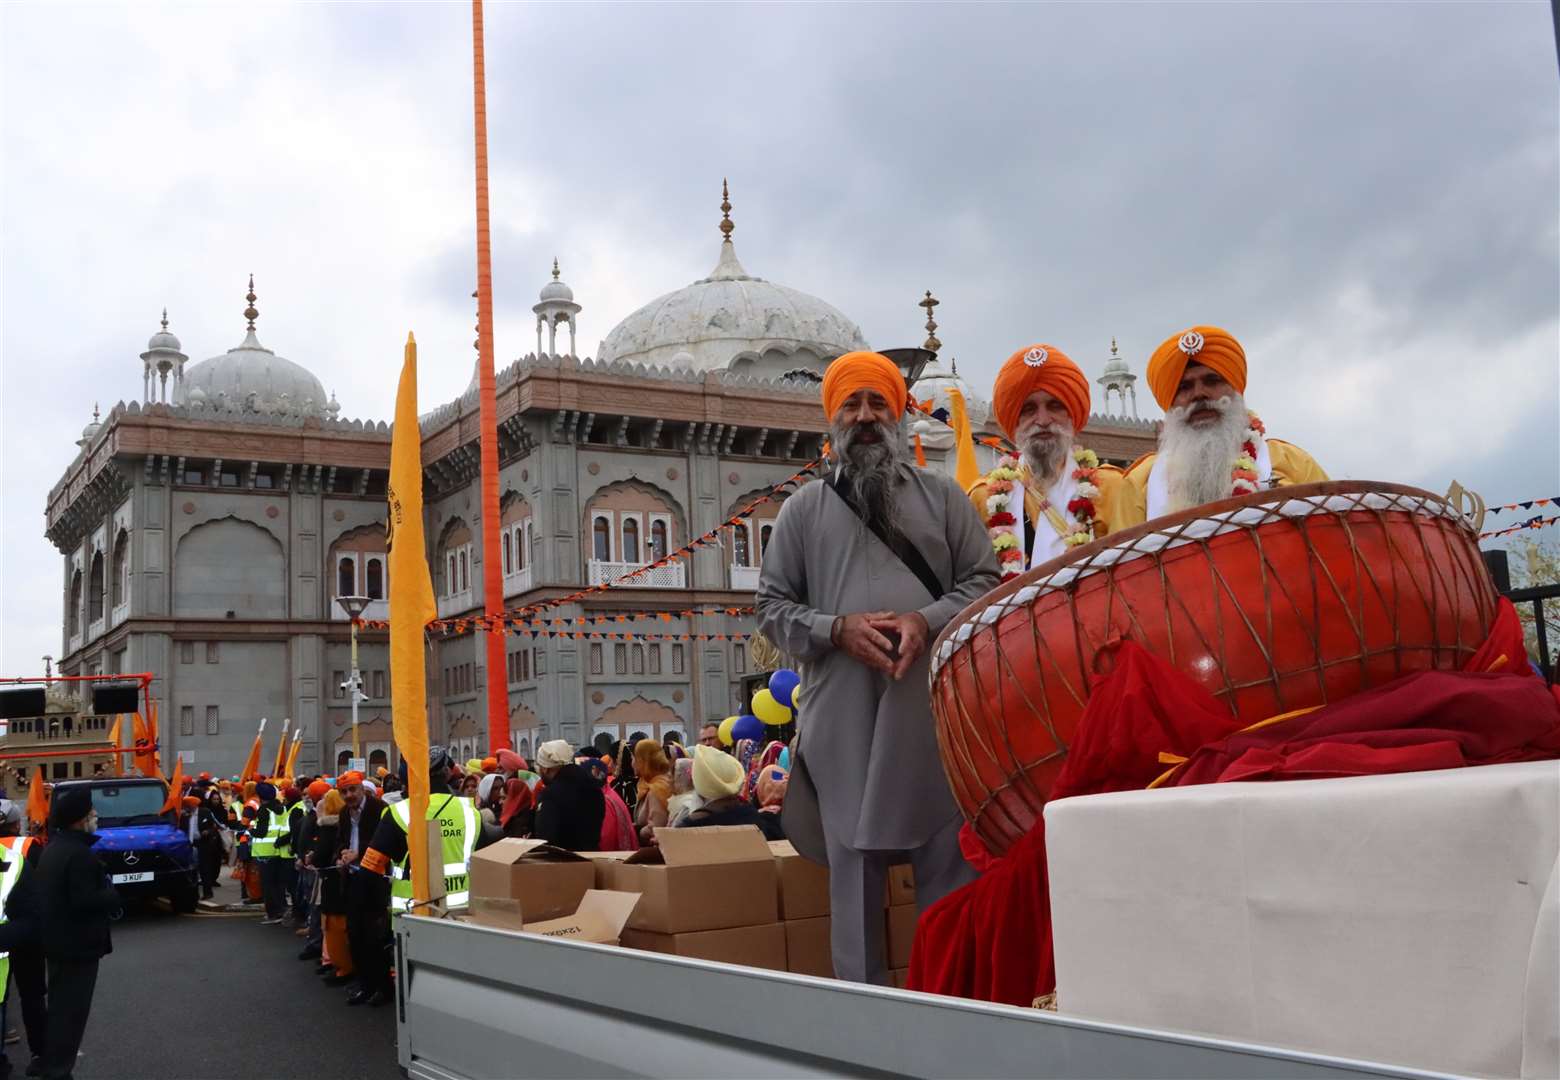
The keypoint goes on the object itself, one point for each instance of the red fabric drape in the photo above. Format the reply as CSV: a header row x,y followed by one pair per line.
x,y
991,940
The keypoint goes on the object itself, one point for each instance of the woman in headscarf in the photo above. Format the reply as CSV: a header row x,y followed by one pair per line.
x,y
336,962
654,790
490,799
760,762
685,799
519,810
617,824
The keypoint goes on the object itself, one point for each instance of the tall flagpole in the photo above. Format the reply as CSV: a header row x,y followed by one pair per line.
x,y
492,571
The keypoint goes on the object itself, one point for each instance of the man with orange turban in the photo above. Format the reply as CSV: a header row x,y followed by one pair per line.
x,y
861,572
1211,446
1051,496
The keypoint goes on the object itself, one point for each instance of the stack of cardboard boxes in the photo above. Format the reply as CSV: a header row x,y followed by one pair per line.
x,y
713,893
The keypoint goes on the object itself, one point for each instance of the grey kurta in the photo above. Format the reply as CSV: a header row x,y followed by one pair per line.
x,y
869,741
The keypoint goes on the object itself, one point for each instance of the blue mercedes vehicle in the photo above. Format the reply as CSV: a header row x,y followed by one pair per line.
x,y
141,845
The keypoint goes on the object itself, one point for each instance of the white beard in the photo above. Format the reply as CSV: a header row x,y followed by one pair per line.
x,y
1046,459
1197,461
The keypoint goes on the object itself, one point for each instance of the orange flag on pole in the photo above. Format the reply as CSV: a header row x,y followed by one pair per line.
x,y
291,768
145,747
151,725
411,608
281,749
38,799
175,792
252,763
965,470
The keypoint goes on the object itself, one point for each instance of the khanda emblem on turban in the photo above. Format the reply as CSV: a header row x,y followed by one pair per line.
x,y
1035,357
1191,343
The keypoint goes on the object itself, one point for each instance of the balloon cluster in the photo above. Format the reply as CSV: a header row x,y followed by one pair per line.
x,y
775,706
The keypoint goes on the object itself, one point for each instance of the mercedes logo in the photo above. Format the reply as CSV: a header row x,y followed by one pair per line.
x,y
131,858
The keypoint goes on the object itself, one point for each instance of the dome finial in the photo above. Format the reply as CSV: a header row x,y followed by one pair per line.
x,y
94,412
1113,344
725,211
929,302
165,319
555,268
249,312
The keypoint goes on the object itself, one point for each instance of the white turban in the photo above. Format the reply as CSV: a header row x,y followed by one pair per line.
x,y
715,773
554,754
485,788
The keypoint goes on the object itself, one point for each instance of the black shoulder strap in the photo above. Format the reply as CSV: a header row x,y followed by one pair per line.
x,y
894,540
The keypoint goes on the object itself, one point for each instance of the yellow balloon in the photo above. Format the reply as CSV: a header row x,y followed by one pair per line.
x,y
770,711
725,729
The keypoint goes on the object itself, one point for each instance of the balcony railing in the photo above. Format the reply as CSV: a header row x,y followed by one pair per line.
x,y
744,578
670,576
517,581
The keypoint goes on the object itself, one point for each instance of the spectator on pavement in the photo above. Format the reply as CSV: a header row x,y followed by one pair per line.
x,y
368,923
336,951
718,777
518,817
654,790
571,807
709,735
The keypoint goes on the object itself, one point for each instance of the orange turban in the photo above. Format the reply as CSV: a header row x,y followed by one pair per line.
x,y
347,779
1209,346
490,764
1040,367
863,371
318,789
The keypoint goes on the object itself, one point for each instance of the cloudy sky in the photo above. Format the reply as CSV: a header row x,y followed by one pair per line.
x,y
1365,194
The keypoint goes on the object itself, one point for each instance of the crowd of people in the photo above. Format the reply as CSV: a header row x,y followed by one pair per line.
x,y
327,856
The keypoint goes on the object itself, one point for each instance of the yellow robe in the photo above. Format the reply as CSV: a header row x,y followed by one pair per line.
x,y
1127,502
1107,478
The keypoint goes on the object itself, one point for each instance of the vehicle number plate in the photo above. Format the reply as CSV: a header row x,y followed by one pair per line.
x,y
131,879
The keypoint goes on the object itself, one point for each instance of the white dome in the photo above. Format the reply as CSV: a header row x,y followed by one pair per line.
x,y
163,341
252,377
934,384
731,315
556,290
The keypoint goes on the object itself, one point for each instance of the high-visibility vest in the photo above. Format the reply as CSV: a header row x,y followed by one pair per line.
x,y
15,857
264,846
459,825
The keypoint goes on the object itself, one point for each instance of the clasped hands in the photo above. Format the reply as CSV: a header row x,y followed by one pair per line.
x,y
868,637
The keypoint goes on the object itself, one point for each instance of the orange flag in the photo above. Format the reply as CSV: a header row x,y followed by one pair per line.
x,y
145,747
37,798
175,792
114,741
151,727
966,472
251,767
291,769
281,749
411,606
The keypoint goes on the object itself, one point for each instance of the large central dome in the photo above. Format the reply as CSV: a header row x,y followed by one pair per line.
x,y
736,321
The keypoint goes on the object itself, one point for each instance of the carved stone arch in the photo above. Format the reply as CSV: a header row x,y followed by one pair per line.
x,y
230,564
251,513
640,713
455,534
748,551
634,497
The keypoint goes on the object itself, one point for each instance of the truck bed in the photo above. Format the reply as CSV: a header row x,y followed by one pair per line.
x,y
475,1002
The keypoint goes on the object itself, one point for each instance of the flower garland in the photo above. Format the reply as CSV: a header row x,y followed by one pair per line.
x,y
1002,525
1243,477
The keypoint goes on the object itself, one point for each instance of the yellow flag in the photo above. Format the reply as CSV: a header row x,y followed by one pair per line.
x,y
966,472
115,741
411,608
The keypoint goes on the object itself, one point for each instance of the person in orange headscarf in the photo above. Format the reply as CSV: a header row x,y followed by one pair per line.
x,y
862,571
1051,496
1212,446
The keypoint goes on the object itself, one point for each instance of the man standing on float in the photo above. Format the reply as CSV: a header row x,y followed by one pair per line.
x,y
862,571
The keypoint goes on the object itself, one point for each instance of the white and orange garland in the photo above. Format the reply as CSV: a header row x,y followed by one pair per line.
x,y
1077,522
1243,477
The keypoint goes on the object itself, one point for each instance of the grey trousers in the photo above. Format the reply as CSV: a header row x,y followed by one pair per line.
x,y
856,883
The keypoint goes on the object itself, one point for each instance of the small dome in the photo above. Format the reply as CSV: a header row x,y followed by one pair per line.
x,y
1115,367
250,375
90,431
556,289
163,341
163,346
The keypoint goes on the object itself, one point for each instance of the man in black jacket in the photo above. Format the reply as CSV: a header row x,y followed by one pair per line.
x,y
571,806
368,921
77,903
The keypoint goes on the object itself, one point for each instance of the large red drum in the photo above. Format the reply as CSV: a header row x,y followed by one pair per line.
x,y
1274,601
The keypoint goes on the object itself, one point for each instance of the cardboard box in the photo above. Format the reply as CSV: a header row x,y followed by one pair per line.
x,y
549,882
901,884
603,861
807,949
804,885
901,934
751,946
599,918
701,879
900,976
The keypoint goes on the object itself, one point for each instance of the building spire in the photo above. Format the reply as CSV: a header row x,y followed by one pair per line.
x,y
725,211
555,268
1113,344
94,412
931,343
250,312
165,320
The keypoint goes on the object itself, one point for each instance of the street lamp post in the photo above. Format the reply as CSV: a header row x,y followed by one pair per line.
x,y
354,606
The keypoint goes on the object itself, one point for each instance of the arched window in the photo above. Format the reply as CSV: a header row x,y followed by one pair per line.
x,y
507,562
121,569
346,577
601,539
658,546
75,603
630,540
520,545
452,578
377,758
376,579
342,760
95,588
465,573
739,545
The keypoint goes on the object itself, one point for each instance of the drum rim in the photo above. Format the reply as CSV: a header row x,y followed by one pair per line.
x,y
945,645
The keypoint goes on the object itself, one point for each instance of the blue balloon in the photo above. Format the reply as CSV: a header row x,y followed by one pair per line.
x,y
782,684
747,726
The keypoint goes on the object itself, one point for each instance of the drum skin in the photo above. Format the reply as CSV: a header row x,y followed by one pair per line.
x,y
1280,600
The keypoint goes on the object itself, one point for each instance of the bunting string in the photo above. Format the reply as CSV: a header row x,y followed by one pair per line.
x,y
1534,522
627,635
480,622
1551,501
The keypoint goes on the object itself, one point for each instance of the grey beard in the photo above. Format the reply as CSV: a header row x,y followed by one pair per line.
x,y
1046,459
1197,462
874,469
